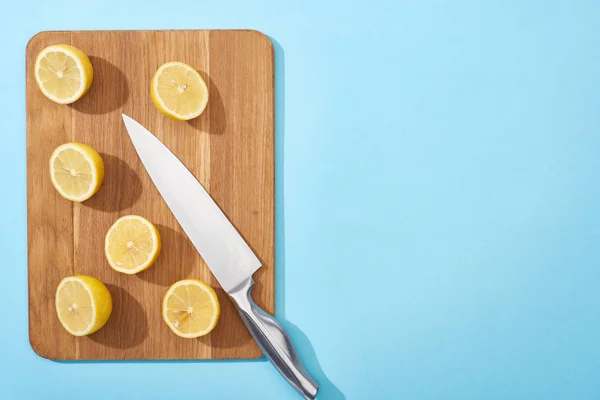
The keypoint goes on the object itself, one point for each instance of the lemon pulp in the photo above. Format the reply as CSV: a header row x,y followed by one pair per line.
x,y
76,171
132,244
191,308
178,91
83,304
63,73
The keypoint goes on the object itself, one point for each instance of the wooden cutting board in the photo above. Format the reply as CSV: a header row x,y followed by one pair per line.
x,y
229,148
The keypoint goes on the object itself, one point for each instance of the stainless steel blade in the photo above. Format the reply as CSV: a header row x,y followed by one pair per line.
x,y
221,246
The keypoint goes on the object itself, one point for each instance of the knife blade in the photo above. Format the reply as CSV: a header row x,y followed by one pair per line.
x,y
226,253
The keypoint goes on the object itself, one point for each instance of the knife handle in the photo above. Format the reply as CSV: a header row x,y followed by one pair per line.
x,y
273,340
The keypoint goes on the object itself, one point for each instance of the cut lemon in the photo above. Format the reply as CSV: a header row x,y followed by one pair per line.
x,y
76,171
83,304
178,91
132,244
191,308
63,73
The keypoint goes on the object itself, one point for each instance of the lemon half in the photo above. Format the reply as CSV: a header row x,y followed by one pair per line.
x,y
83,304
132,244
191,308
63,73
76,171
178,91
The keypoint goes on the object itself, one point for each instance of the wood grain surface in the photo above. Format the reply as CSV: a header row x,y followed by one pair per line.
x,y
229,148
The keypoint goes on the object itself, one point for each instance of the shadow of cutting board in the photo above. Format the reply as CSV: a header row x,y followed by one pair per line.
x,y
229,148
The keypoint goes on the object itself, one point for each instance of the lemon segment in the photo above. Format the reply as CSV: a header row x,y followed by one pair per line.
x,y
191,308
83,304
63,73
178,91
132,244
76,171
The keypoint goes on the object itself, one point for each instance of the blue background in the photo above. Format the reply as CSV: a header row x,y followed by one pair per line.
x,y
438,193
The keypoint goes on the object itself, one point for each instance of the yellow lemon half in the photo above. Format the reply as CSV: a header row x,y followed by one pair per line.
x,y
178,91
83,304
63,73
132,244
76,171
191,308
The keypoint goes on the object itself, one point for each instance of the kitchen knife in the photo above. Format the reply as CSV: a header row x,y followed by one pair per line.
x,y
223,249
